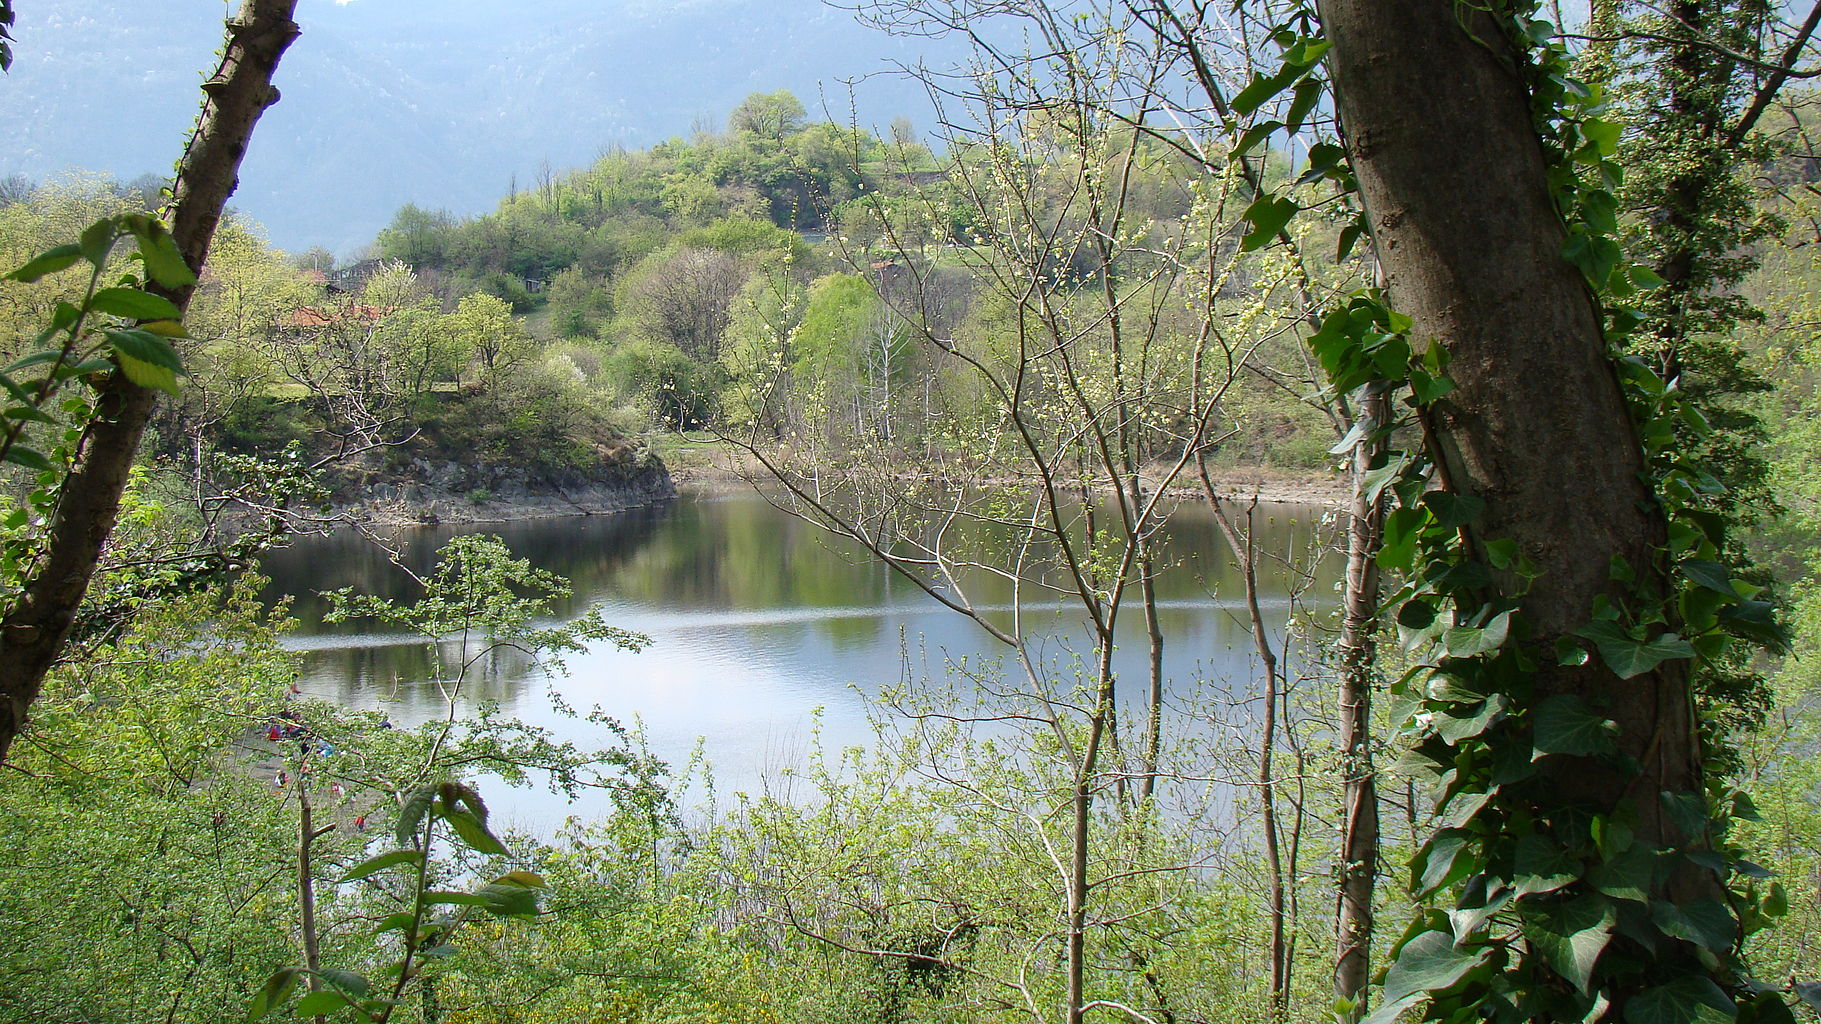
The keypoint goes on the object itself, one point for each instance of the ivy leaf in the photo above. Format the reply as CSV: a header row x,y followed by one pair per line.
x,y
1455,728
1253,136
1454,510
1542,866
1267,215
1603,134
1425,389
1564,724
1694,999
1429,963
1596,255
1629,657
1810,993
1756,621
1712,575
1308,91
1437,865
1626,876
1572,936
1706,923
1470,641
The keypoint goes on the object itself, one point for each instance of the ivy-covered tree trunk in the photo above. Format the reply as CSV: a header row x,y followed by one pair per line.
x,y
1435,103
36,624
1452,176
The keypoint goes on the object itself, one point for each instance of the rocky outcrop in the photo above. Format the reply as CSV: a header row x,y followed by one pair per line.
x,y
433,490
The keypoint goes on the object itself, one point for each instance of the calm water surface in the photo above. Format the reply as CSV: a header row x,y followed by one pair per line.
x,y
765,630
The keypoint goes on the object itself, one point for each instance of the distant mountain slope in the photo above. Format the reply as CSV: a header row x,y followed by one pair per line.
x,y
438,102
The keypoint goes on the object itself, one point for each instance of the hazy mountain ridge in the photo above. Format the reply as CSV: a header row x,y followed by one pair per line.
x,y
395,101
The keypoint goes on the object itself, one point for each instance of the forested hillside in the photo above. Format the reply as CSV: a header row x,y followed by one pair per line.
x,y
1522,730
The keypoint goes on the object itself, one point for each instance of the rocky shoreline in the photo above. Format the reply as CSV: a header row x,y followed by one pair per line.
x,y
431,493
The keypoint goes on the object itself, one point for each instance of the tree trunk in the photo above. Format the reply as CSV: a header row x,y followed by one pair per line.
x,y
34,628
1358,649
1452,176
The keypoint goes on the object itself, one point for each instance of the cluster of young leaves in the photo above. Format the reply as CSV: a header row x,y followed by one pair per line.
x,y
427,928
109,327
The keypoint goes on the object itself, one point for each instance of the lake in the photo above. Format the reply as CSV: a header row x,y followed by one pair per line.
x,y
767,634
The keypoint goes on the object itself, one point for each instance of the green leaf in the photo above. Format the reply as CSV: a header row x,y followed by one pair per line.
x,y
1455,728
1438,864
28,412
1453,510
134,304
1766,1008
1756,621
147,375
1429,963
97,240
508,899
159,250
1595,255
1565,725
273,993
382,862
1253,136
1388,1012
318,1003
1810,993
1262,87
1706,923
147,359
1267,215
1694,999
1471,641
1603,134
1425,389
1625,876
30,458
347,981
474,834
1571,936
1629,657
411,813
48,262
1712,575
1308,92
1349,237
401,921
1541,865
